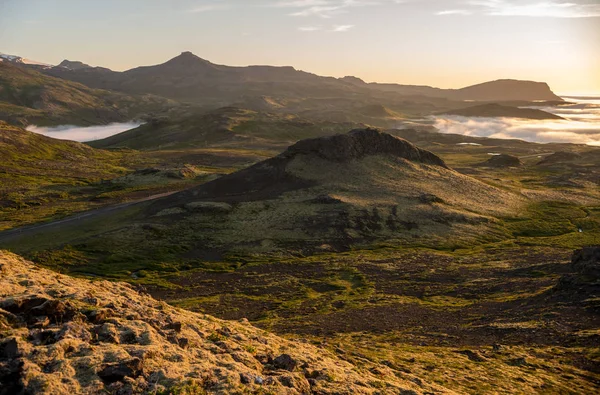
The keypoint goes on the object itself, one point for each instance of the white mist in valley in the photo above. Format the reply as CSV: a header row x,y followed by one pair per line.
x,y
83,133
580,126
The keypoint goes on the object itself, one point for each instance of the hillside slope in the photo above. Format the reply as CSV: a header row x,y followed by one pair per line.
x,y
66,335
29,158
494,110
30,97
228,126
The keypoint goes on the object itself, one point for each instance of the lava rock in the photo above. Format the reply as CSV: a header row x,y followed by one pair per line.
x,y
587,261
285,362
111,373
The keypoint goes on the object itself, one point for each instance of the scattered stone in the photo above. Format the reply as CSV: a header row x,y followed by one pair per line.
x,y
245,378
429,198
98,316
472,355
517,362
9,349
587,261
111,373
108,333
176,326
285,362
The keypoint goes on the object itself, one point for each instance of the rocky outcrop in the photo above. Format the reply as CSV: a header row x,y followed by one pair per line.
x,y
587,261
583,285
359,143
61,335
502,161
559,158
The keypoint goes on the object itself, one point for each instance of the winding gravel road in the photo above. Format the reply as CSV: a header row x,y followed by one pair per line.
x,y
9,235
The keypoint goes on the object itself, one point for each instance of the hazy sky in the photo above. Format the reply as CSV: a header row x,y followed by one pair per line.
x,y
444,43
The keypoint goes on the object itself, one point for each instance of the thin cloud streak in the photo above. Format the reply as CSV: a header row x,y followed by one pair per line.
x,y
214,6
537,9
342,28
454,12
323,8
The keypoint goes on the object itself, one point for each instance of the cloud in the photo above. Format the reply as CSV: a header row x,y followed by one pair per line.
x,y
80,133
323,8
581,125
342,28
538,8
454,12
309,28
212,6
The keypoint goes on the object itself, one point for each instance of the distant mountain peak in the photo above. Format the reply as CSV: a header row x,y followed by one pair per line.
x,y
73,65
353,80
187,60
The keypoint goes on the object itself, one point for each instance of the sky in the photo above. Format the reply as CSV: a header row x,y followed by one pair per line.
x,y
442,43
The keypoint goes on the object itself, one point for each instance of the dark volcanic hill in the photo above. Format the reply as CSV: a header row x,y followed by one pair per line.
x,y
493,110
322,194
190,78
338,191
503,160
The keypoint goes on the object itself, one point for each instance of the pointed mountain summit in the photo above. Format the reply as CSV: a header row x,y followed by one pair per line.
x,y
186,60
73,65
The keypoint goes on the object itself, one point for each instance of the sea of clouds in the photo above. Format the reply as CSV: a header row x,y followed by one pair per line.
x,y
581,124
83,133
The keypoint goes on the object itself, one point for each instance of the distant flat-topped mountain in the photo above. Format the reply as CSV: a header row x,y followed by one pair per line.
x,y
188,77
507,90
493,110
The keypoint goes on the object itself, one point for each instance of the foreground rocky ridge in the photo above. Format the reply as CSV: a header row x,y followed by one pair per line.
x,y
64,335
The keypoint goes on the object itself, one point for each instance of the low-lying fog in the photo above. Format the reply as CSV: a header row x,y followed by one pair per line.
x,y
581,124
83,133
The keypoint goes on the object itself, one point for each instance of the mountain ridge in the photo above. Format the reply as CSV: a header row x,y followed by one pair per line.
x,y
219,81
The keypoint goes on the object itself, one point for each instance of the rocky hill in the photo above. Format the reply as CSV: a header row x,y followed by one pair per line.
x,y
62,335
502,161
324,194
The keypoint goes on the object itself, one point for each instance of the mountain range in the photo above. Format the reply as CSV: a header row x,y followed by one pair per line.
x,y
190,78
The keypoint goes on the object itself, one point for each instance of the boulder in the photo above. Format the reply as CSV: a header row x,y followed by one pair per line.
x,y
587,261
110,373
285,362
